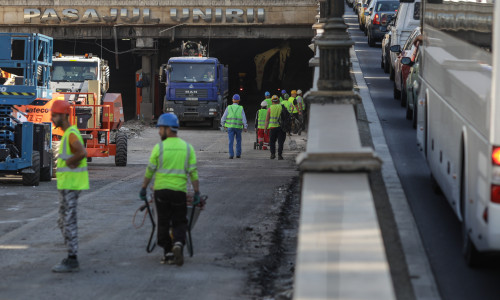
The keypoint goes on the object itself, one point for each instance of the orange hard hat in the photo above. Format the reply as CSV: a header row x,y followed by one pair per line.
x,y
61,107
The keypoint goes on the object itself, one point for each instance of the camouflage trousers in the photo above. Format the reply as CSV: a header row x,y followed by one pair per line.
x,y
68,202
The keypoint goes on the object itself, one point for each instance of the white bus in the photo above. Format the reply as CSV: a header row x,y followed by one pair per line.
x,y
459,114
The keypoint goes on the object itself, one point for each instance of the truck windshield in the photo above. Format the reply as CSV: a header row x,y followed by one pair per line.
x,y
73,71
190,72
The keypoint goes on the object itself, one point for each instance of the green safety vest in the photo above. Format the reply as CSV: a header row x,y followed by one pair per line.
x,y
234,118
301,100
292,108
274,116
71,179
269,102
287,105
261,120
171,161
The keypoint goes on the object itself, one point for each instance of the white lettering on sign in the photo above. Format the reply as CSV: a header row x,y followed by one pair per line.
x,y
3,89
144,15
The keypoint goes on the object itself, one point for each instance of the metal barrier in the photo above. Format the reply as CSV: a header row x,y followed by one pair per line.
x,y
341,253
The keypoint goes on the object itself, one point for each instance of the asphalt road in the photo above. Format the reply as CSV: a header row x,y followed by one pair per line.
x,y
438,225
232,235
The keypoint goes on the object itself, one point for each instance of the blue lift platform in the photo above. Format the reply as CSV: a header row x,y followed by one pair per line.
x,y
25,147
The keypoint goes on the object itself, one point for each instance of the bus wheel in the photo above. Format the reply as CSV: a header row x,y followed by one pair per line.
x,y
471,255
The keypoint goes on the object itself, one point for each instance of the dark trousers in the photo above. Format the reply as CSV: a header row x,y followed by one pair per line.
x,y
171,208
277,135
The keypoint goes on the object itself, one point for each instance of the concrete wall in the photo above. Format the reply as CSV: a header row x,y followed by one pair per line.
x,y
91,19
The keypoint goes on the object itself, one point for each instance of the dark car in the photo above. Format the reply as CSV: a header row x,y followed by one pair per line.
x,y
383,9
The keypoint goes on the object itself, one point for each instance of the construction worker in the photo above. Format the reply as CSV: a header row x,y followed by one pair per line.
x,y
235,121
260,125
72,178
302,108
171,162
284,99
294,109
268,99
273,127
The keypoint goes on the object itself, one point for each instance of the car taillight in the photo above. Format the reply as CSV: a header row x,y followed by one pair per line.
x,y
495,193
495,155
376,20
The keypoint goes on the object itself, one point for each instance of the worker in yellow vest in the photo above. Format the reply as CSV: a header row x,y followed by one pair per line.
x,y
171,162
268,99
302,108
235,121
72,178
260,122
272,126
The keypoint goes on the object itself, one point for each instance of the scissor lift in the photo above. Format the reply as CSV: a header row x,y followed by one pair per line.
x,y
25,146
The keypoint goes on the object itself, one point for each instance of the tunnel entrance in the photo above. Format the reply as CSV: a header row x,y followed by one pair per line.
x,y
238,54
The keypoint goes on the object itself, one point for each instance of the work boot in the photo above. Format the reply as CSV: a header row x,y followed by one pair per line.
x,y
239,156
168,258
280,157
178,255
230,157
273,156
67,265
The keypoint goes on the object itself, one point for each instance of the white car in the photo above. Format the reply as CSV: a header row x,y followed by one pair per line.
x,y
407,19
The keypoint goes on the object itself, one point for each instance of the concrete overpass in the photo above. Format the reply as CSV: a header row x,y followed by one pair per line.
x,y
155,18
139,35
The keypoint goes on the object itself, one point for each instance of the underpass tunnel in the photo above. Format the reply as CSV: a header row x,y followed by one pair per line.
x,y
237,54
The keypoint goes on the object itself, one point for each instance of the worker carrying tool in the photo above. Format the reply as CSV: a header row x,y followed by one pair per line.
x,y
268,99
235,121
260,125
171,161
273,127
72,178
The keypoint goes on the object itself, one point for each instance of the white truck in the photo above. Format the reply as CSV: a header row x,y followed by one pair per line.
x,y
75,73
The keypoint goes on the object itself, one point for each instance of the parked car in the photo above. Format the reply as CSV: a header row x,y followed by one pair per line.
x,y
412,87
374,28
407,19
401,71
361,14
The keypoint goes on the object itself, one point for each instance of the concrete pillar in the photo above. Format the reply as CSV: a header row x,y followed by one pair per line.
x,y
147,92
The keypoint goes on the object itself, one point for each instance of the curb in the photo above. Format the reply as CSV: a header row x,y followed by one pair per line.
x,y
420,272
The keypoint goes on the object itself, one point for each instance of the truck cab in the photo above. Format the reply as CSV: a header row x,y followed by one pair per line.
x,y
196,88
75,73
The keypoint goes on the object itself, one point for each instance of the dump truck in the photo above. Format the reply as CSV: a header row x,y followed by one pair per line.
x,y
196,88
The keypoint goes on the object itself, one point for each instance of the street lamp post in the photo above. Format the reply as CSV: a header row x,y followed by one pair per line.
x,y
335,83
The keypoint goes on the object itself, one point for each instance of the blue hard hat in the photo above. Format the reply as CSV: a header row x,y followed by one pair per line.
x,y
267,94
236,97
168,120
283,92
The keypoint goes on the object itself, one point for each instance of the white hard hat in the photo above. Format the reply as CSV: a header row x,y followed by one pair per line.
x,y
299,92
263,103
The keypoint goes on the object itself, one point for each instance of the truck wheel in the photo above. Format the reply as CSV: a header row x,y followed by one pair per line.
x,y
46,173
121,150
215,124
33,179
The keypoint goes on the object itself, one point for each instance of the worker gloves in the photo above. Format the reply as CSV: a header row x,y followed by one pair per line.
x,y
196,199
142,194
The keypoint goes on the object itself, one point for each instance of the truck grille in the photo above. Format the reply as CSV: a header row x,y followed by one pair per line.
x,y
188,93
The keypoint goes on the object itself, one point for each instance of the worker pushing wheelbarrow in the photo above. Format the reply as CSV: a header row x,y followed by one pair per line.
x,y
173,165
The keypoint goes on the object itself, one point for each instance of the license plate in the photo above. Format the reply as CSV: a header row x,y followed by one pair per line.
x,y
195,99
